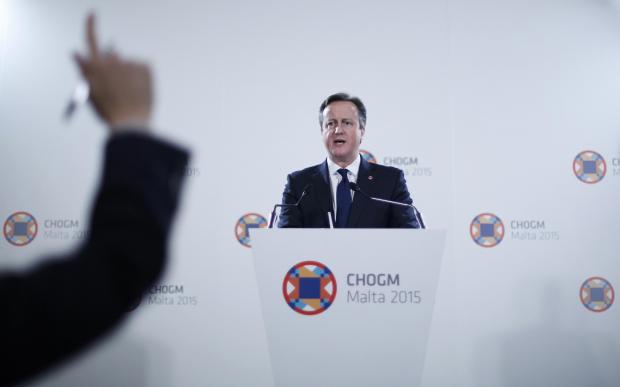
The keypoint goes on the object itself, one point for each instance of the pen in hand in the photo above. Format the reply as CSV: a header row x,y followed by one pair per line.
x,y
80,97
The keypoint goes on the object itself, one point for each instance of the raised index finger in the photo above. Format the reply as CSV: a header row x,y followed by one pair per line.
x,y
91,39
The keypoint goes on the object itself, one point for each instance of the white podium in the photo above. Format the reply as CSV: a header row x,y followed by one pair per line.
x,y
347,307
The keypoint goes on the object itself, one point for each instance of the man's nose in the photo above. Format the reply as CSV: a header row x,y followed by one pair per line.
x,y
338,128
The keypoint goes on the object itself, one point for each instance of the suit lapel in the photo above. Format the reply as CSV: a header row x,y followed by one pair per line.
x,y
358,199
323,190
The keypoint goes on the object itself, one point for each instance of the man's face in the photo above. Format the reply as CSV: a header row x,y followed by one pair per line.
x,y
342,134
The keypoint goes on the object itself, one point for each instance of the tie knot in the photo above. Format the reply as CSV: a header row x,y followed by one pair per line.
x,y
344,173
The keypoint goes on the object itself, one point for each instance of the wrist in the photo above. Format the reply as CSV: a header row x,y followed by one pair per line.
x,y
138,122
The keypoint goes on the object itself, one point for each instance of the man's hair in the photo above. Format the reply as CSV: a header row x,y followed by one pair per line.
x,y
361,109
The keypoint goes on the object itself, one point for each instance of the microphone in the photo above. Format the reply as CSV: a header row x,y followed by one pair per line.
x,y
418,217
306,189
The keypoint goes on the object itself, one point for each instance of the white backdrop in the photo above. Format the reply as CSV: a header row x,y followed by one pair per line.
x,y
494,99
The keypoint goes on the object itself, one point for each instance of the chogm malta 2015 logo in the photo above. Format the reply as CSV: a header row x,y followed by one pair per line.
x,y
589,167
368,156
597,294
487,230
309,288
245,223
20,228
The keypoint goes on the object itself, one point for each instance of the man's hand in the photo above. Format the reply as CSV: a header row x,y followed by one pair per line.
x,y
120,90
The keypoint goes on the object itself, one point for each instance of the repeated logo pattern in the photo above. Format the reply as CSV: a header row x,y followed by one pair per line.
x,y
597,294
247,222
20,228
589,167
309,288
487,230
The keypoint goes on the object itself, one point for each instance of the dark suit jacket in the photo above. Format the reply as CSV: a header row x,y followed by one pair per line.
x,y
376,180
52,311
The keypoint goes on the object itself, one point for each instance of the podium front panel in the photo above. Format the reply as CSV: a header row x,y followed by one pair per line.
x,y
347,307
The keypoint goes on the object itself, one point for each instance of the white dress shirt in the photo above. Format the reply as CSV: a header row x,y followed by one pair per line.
x,y
335,177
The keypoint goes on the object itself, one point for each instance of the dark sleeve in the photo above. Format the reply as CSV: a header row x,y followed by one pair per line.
x,y
402,217
52,311
290,216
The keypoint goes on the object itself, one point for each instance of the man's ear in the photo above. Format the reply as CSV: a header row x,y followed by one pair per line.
x,y
362,130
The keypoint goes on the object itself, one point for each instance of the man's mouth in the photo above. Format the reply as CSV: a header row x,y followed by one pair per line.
x,y
339,141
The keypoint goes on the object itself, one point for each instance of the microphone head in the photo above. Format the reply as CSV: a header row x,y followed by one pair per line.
x,y
306,189
354,186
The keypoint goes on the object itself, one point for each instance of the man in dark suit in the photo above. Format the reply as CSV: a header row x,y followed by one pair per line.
x,y
327,196
54,310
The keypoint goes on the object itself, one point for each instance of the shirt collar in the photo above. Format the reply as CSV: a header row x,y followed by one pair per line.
x,y
353,167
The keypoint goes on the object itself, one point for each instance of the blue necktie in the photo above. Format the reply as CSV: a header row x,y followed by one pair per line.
x,y
343,200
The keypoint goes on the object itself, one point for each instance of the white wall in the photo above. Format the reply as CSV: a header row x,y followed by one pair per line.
x,y
494,98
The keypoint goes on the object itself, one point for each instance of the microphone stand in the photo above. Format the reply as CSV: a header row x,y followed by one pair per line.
x,y
272,218
416,213
273,213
